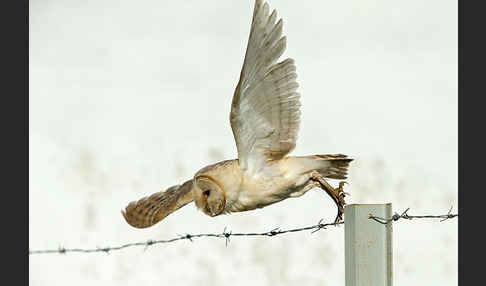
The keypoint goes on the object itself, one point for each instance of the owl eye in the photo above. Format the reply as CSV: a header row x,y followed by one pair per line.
x,y
206,193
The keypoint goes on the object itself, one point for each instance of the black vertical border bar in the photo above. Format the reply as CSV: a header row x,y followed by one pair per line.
x,y
471,144
14,107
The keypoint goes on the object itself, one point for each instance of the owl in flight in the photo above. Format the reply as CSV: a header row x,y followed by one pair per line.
x,y
265,118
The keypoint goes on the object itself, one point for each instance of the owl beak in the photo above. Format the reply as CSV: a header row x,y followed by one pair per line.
x,y
212,212
209,211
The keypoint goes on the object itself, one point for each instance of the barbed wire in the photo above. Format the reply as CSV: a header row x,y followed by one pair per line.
x,y
227,234
404,215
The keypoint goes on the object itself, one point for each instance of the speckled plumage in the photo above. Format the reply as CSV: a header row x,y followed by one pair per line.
x,y
265,119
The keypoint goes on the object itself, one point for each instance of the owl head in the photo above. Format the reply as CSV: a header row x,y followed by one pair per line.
x,y
209,195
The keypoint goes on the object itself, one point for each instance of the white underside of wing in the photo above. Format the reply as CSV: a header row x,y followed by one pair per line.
x,y
265,113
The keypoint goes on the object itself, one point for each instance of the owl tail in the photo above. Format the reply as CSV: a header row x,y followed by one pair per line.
x,y
150,210
333,166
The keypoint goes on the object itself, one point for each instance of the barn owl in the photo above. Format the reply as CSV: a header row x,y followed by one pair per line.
x,y
265,119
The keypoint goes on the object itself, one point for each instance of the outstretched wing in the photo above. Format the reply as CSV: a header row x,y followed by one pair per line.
x,y
152,209
265,111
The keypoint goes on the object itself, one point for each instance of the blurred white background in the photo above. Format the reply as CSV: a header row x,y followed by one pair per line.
x,y
128,98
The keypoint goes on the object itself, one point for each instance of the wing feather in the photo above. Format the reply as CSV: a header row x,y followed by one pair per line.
x,y
151,209
265,111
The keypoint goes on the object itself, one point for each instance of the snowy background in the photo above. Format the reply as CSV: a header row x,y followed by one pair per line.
x,y
130,97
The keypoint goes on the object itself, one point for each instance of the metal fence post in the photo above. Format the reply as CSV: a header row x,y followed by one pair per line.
x,y
368,245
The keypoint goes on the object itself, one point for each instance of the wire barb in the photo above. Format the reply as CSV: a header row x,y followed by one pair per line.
x,y
227,234
147,244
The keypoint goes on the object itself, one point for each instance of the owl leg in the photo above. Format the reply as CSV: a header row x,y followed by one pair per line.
x,y
308,186
336,194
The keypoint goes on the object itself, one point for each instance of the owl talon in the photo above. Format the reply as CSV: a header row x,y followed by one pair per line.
x,y
337,194
339,217
340,190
